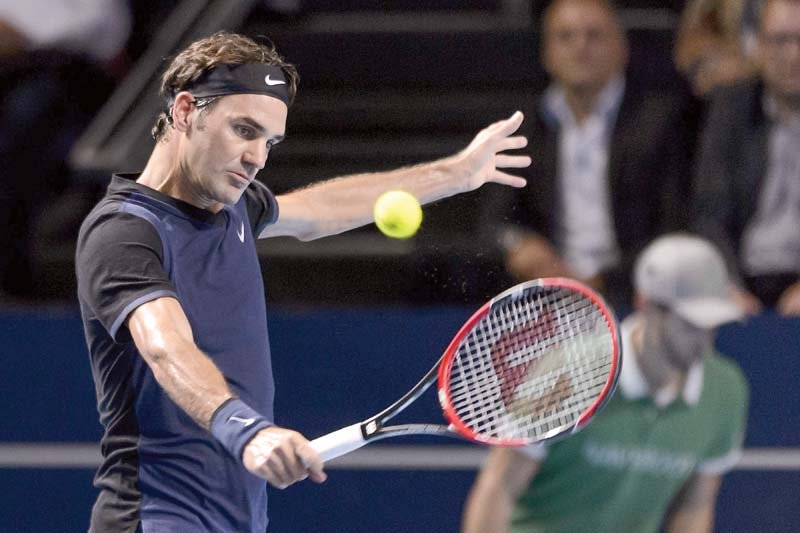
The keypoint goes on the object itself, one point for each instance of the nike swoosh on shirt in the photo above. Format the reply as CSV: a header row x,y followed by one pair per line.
x,y
240,233
245,421
273,82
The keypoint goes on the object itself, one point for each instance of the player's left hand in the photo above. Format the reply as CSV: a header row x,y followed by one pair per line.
x,y
789,302
483,157
282,457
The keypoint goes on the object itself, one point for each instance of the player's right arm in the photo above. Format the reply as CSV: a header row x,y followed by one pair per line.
x,y
504,476
163,336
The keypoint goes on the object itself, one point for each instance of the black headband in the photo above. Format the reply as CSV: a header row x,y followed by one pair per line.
x,y
247,78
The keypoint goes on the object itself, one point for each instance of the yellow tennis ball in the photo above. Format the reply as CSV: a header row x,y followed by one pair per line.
x,y
397,214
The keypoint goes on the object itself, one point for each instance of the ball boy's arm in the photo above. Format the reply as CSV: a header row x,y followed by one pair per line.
x,y
693,508
502,479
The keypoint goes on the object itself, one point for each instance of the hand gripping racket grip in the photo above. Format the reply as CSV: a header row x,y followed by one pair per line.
x,y
339,442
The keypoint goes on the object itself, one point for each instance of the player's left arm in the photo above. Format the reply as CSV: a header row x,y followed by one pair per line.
x,y
342,204
693,509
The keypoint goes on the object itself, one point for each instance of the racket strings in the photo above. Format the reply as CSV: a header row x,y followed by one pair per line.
x,y
510,429
532,365
588,390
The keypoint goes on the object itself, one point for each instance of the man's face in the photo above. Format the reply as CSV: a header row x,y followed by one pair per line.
x,y
779,48
583,46
229,143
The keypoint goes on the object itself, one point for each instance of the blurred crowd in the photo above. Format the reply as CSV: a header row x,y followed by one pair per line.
x,y
616,162
59,62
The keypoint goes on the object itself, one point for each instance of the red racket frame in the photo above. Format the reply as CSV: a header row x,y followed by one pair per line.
x,y
445,367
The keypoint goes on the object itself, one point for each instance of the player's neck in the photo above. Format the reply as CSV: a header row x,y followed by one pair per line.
x,y
165,174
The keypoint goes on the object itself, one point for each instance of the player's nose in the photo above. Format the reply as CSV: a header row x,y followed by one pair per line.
x,y
256,155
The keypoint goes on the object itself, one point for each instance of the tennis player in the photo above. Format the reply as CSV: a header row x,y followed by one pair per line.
x,y
172,298
655,456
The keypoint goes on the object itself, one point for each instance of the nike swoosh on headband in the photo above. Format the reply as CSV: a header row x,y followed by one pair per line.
x,y
273,82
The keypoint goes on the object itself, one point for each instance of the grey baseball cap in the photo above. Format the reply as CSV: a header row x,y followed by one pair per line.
x,y
688,275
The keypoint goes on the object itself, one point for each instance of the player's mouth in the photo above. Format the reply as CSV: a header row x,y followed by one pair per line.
x,y
243,178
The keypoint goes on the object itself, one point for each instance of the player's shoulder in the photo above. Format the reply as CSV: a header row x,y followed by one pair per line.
x,y
259,193
127,202
110,222
261,205
111,212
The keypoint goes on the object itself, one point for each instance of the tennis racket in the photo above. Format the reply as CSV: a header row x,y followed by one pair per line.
x,y
535,363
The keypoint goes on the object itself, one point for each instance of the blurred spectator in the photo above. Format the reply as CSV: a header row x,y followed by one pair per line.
x,y
95,28
54,56
716,41
610,160
654,457
748,175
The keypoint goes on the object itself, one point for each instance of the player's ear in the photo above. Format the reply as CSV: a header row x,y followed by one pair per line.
x,y
182,111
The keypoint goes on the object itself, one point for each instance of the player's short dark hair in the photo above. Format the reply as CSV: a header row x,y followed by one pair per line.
x,y
221,48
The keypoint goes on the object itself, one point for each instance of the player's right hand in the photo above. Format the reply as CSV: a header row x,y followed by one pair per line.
x,y
282,457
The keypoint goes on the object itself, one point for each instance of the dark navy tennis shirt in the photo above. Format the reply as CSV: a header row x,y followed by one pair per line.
x,y
161,472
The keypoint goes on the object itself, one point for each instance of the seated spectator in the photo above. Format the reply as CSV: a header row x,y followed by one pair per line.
x,y
52,55
715,42
747,194
610,160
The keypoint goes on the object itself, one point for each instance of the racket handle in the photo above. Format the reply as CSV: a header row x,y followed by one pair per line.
x,y
339,442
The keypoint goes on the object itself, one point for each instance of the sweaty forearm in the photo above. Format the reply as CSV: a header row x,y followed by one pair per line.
x,y
165,341
191,380
342,204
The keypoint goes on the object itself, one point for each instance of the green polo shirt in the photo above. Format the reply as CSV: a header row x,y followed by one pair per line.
x,y
621,472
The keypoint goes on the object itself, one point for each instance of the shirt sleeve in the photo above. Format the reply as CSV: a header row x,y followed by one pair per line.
x,y
120,266
262,207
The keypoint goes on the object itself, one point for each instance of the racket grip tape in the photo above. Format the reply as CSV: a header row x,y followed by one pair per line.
x,y
339,442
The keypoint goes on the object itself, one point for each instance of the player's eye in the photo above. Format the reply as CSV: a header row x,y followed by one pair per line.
x,y
245,132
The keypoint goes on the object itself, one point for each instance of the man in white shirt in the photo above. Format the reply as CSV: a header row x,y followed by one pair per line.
x,y
610,160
